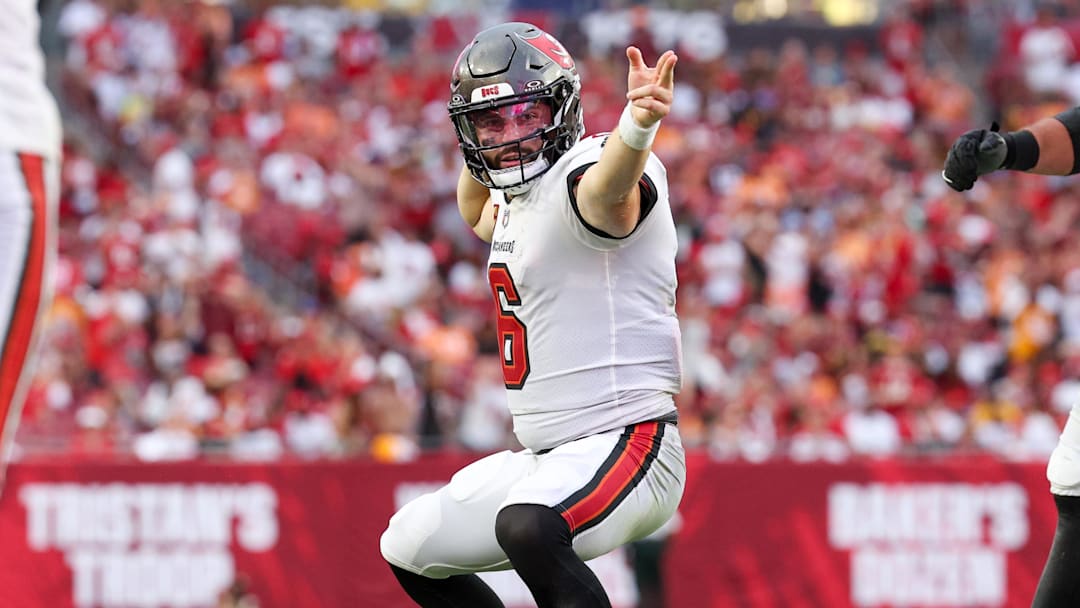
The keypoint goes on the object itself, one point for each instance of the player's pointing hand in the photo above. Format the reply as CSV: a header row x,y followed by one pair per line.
x,y
650,90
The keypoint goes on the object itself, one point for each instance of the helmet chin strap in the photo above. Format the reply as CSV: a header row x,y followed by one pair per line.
x,y
518,180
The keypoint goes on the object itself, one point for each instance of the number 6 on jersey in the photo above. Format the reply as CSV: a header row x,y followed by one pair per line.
x,y
512,332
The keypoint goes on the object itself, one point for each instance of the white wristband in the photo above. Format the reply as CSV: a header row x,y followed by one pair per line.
x,y
633,135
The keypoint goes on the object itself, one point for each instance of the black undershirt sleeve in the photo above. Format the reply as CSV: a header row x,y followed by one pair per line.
x,y
645,185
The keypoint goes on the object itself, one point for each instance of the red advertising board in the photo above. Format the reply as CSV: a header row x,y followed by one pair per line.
x,y
891,533
947,533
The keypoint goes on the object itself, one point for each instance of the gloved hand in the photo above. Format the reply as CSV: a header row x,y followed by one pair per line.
x,y
974,153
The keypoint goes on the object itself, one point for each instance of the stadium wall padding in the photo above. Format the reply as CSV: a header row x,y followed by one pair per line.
x,y
955,532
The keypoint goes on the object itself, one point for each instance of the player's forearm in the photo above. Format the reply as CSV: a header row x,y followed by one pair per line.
x,y
471,197
1056,147
1048,146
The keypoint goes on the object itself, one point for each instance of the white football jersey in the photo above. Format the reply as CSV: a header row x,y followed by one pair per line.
x,y
29,120
590,341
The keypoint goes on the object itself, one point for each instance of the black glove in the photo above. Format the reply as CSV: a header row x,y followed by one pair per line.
x,y
974,153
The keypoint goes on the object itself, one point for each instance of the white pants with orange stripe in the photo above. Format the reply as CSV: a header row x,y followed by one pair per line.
x,y
29,190
612,489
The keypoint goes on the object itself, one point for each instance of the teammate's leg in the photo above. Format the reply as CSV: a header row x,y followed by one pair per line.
x,y
1060,581
646,557
538,541
27,213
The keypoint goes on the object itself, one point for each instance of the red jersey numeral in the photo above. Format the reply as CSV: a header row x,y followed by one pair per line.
x,y
512,332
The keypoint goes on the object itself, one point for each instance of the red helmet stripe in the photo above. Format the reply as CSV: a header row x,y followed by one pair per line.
x,y
548,45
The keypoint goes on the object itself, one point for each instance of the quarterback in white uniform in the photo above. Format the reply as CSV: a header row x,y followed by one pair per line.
x,y
29,174
582,270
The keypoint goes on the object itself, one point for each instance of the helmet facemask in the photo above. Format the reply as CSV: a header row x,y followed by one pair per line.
x,y
495,156
504,69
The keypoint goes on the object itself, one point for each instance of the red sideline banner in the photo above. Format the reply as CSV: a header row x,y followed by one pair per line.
x,y
952,533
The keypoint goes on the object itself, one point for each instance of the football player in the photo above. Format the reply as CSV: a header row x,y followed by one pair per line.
x,y
1048,146
582,270
29,174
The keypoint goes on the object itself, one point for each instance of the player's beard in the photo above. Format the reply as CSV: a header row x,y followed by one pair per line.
x,y
510,179
516,154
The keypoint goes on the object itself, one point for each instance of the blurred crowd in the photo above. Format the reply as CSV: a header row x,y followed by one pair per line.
x,y
261,256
